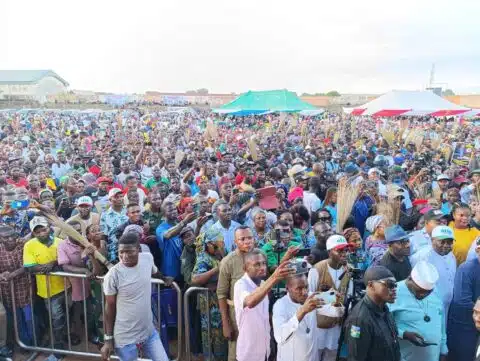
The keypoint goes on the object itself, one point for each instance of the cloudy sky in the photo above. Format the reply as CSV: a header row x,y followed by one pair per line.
x,y
365,46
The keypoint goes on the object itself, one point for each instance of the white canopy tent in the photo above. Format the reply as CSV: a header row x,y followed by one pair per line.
x,y
405,102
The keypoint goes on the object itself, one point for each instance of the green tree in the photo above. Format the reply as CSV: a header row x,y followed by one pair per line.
x,y
333,93
448,92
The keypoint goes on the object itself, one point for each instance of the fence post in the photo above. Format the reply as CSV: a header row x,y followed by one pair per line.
x,y
191,290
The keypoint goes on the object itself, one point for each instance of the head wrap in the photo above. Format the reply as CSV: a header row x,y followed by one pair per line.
x,y
348,232
372,223
296,192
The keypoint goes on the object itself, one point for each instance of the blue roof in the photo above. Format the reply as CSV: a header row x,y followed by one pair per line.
x,y
27,76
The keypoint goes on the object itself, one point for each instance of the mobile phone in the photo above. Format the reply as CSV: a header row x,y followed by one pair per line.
x,y
235,191
20,204
425,344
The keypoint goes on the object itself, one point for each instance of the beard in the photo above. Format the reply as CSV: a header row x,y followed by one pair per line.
x,y
258,280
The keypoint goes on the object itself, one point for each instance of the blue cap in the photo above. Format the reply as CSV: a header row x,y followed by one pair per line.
x,y
351,169
395,233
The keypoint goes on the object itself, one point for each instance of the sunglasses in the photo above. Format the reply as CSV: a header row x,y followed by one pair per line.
x,y
325,218
390,284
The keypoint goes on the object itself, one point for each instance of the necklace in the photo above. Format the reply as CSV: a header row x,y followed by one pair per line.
x,y
426,317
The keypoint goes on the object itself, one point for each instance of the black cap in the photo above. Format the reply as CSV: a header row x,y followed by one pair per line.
x,y
433,214
377,273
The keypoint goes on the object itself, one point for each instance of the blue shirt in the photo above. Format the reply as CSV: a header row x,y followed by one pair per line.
x,y
409,314
171,251
228,234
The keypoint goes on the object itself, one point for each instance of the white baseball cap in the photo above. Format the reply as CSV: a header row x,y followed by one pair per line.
x,y
442,232
336,242
38,221
113,192
376,170
85,201
425,275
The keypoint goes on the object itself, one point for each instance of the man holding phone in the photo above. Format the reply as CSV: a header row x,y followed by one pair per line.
x,y
420,316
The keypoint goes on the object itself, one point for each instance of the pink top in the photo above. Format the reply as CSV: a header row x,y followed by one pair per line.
x,y
69,253
253,342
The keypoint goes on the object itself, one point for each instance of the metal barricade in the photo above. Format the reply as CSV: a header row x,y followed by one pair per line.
x,y
62,299
188,355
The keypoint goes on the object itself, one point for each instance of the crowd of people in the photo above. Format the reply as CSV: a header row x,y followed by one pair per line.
x,y
254,210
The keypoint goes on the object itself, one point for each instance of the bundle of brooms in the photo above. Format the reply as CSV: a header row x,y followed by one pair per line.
x,y
73,234
388,136
346,196
389,208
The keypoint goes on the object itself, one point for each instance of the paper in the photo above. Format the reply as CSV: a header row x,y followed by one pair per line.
x,y
268,198
179,155
252,146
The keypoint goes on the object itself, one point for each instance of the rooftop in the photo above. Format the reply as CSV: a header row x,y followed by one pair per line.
x,y
27,76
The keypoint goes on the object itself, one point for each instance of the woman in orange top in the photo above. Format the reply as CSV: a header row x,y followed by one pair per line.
x,y
464,233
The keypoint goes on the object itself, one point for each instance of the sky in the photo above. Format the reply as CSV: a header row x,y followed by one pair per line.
x,y
351,46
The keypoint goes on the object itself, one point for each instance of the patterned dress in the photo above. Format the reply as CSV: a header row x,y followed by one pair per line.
x,y
215,347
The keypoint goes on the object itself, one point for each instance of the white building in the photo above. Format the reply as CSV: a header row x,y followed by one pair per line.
x,y
30,84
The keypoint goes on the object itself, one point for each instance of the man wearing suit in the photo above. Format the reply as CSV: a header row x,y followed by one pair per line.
x,y
476,319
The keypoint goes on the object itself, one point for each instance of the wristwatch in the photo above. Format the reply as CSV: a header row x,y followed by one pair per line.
x,y
107,337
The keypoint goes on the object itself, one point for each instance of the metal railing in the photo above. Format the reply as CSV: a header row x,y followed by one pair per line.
x,y
156,283
186,309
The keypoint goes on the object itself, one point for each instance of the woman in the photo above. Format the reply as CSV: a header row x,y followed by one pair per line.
x,y
453,196
464,233
260,226
210,251
375,244
330,203
301,226
358,257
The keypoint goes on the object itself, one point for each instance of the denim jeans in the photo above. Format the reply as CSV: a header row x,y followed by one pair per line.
x,y
152,348
57,304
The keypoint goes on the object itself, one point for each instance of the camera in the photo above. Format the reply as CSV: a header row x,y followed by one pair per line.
x,y
300,266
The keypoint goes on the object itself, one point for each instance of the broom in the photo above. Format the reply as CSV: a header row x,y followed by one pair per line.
x,y
385,209
389,136
346,196
73,234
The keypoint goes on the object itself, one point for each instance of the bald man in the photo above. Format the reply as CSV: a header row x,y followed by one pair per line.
x,y
295,323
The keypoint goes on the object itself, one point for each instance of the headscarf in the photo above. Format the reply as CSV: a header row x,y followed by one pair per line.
x,y
348,232
372,223
296,192
184,204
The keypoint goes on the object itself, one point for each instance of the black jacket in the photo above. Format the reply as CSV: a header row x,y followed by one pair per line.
x,y
371,333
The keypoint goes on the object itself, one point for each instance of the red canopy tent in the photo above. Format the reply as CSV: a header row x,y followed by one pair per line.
x,y
404,102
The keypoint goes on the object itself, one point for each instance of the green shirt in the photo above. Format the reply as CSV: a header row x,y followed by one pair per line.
x,y
272,256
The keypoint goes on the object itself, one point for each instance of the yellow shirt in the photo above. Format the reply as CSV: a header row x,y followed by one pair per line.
x,y
35,253
463,241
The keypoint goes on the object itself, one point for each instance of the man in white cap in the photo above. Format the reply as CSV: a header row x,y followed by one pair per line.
x,y
374,175
440,255
419,315
111,219
85,216
329,275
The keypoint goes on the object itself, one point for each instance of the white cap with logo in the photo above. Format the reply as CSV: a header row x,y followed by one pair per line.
x,y
336,241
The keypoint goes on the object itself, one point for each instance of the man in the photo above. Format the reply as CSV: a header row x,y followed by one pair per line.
x,y
202,182
419,315
66,202
225,225
70,257
156,179
467,193
396,257
125,172
169,242
283,246
111,219
422,237
188,257
11,269
231,270
461,331
374,175
85,215
61,167
294,323
310,198
153,215
16,218
322,231
327,275
251,306
15,179
476,320
440,255
370,331
40,256
132,186
134,215
128,320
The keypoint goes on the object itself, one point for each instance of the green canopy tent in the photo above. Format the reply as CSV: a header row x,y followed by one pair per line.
x,y
261,102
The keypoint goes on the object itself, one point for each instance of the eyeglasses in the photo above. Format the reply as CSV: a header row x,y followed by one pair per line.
x,y
390,284
325,218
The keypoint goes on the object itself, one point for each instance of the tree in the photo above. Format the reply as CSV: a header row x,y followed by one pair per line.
x,y
202,91
333,93
448,92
